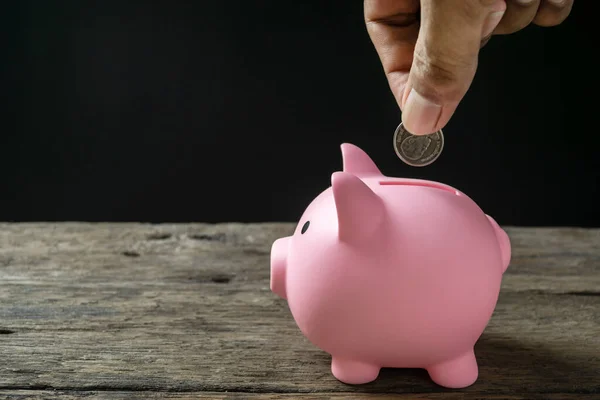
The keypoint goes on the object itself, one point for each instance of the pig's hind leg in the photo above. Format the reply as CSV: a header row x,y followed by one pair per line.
x,y
353,372
456,373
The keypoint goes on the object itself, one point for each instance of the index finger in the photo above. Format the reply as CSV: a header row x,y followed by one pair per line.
x,y
393,26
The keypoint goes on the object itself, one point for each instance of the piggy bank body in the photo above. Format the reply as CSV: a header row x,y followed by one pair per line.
x,y
391,272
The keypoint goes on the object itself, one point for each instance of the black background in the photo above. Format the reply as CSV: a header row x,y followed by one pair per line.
x,y
234,111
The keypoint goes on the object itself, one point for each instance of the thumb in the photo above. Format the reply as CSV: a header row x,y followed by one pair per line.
x,y
445,59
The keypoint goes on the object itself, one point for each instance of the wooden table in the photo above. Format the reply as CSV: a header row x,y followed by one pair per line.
x,y
131,311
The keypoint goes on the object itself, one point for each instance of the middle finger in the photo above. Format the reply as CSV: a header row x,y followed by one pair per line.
x,y
518,15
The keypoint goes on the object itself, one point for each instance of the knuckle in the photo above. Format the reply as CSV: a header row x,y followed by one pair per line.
x,y
441,73
552,15
389,12
397,20
547,20
474,9
558,5
441,68
517,17
485,3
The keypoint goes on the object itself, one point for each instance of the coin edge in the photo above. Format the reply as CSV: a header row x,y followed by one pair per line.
x,y
410,163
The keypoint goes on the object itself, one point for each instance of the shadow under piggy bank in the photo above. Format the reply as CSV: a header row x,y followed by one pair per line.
x,y
506,367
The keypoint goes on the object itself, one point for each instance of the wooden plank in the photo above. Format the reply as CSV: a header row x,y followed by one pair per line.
x,y
119,395
187,309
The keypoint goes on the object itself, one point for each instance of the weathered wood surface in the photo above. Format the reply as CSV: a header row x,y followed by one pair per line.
x,y
118,395
137,311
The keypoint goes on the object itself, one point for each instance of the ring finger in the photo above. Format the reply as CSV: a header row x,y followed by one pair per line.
x,y
553,12
518,15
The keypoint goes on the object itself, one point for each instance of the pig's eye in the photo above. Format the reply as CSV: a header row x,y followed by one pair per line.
x,y
305,227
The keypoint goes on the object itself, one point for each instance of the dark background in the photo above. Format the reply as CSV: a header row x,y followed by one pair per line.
x,y
234,111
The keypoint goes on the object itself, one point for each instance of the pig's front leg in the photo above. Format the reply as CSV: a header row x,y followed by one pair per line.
x,y
457,373
353,372
278,266
278,282
503,242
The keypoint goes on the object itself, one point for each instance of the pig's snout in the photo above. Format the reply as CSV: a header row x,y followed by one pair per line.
x,y
279,252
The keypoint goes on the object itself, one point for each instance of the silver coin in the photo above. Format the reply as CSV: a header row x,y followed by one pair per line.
x,y
418,150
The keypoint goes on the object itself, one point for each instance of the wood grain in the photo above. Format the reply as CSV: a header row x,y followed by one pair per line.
x,y
185,311
119,395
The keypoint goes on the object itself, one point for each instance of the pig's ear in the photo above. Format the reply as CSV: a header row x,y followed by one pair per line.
x,y
357,162
359,209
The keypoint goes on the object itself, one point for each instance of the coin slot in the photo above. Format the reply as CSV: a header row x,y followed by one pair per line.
x,y
421,184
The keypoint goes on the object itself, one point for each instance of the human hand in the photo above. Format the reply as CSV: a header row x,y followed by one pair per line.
x,y
429,48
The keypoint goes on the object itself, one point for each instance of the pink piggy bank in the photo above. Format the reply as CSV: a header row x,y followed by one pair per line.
x,y
390,272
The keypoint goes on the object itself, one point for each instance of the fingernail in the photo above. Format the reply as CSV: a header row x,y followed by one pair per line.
x,y
491,23
420,115
557,2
